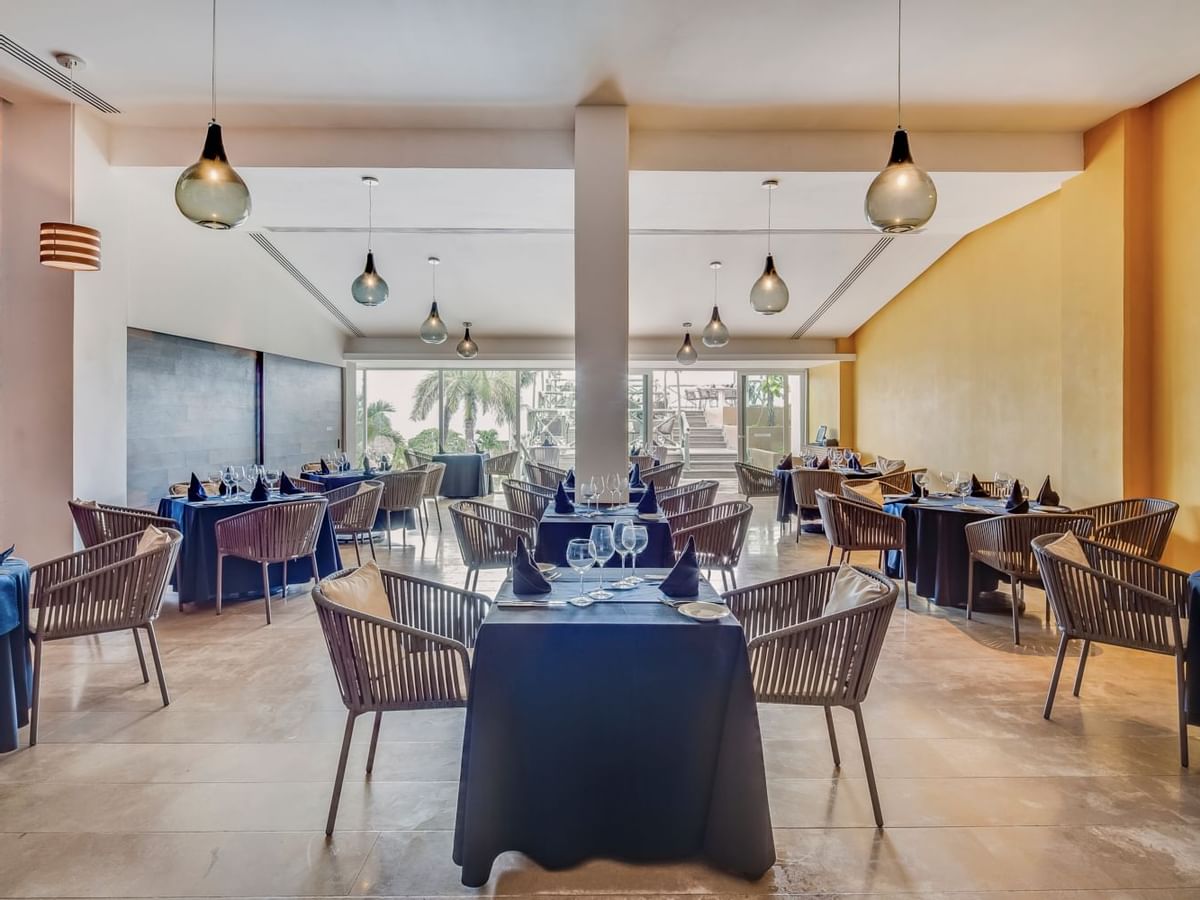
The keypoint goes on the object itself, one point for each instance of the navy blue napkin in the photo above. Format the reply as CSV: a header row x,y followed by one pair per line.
x,y
1047,495
684,580
562,503
260,491
221,488
287,486
547,441
324,468
6,554
649,501
1016,503
824,463
196,491
916,492
854,463
368,470
977,488
786,463
527,579
570,482
635,477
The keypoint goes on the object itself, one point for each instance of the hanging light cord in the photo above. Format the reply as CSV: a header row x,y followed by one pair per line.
x,y
71,175
212,64
770,192
433,272
899,23
714,268
370,213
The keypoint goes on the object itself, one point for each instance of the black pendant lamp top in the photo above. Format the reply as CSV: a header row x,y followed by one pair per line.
x,y
209,192
433,329
369,288
687,354
715,333
467,348
769,295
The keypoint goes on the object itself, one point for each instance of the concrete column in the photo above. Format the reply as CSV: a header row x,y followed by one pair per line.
x,y
36,325
601,289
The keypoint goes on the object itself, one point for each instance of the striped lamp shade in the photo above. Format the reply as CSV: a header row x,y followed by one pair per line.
x,y
67,246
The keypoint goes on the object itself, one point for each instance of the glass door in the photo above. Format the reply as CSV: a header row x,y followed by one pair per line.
x,y
765,417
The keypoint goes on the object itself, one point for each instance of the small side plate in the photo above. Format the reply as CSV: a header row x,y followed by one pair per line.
x,y
651,517
703,611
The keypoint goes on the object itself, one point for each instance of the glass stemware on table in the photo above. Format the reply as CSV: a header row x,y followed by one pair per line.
x,y
603,550
581,556
636,538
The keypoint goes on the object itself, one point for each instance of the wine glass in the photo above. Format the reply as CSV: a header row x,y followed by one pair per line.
x,y
229,477
586,491
581,556
602,541
962,484
635,538
619,546
921,481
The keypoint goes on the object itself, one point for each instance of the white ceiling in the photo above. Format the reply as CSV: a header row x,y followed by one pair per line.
x,y
752,64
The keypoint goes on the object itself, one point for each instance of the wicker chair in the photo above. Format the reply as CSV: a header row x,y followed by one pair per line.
x,y
501,465
543,474
354,515
419,661
277,533
664,476
180,488
643,461
99,523
416,459
433,487
1124,600
527,498
309,486
801,657
686,497
1002,543
806,483
107,587
855,525
487,536
899,482
1139,525
720,531
403,491
754,481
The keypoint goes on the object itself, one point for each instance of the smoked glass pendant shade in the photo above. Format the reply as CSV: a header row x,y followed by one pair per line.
x,y
369,289
769,295
467,348
63,245
210,192
902,197
715,334
433,329
687,353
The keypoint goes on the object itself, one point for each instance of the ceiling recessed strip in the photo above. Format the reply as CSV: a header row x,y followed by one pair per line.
x,y
284,263
855,273
39,65
516,230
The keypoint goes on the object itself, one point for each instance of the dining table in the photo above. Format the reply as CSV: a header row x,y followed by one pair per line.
x,y
195,577
465,476
16,665
624,730
402,518
555,531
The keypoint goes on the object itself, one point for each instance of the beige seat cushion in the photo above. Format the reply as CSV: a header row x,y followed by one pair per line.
x,y
852,588
362,591
152,539
1068,547
872,492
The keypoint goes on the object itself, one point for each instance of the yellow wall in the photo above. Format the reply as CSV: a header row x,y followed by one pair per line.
x,y
824,401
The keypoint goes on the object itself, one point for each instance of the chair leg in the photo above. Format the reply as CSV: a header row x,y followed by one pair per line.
x,y
220,573
316,573
1181,691
137,642
724,579
285,581
374,741
36,703
837,757
1058,664
371,544
733,578
970,586
158,668
389,517
1083,658
904,572
829,556
266,573
357,552
437,508
1016,605
866,753
341,774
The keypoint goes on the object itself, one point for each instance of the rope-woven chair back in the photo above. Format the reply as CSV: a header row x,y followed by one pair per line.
x,y
1003,542
502,464
664,476
1122,599
487,535
273,533
527,498
180,488
1139,525
543,474
854,525
102,522
333,495
434,473
309,486
754,481
418,662
357,512
806,483
643,461
403,490
107,587
899,482
720,531
686,497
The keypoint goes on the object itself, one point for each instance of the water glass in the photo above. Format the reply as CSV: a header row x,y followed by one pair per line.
x,y
602,542
581,556
962,484
619,541
635,538
229,477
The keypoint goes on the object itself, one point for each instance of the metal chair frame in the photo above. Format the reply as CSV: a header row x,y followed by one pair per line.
x,y
720,532
404,490
354,515
754,481
856,525
1139,525
487,536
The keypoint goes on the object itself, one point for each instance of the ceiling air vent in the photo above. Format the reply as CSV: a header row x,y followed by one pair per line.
x,y
284,263
863,265
56,74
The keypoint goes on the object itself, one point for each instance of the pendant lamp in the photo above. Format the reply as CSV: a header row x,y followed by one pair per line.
x,y
715,333
369,288
65,245
433,329
769,295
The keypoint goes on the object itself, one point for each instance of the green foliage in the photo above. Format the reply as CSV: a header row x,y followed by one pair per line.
x,y
475,391
426,441
489,439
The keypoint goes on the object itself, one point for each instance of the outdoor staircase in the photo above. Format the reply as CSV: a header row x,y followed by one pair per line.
x,y
710,456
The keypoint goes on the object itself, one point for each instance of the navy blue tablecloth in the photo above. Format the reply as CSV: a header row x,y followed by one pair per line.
x,y
242,578
403,519
555,532
16,664
1192,698
938,560
624,730
336,479
464,474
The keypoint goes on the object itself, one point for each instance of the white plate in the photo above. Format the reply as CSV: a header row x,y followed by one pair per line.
x,y
1055,509
651,517
546,568
703,611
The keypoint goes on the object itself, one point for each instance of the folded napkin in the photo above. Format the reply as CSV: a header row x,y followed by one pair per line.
x,y
368,469
196,491
526,577
853,463
635,477
649,501
222,489
786,462
1047,495
684,580
547,441
287,486
1016,502
324,468
562,503
260,492
570,482
824,463
4,555
916,491
977,488
633,451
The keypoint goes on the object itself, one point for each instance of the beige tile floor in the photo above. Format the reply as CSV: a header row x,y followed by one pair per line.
x,y
224,793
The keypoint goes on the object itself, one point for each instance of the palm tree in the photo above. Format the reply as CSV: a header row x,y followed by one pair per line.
x,y
475,391
379,424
